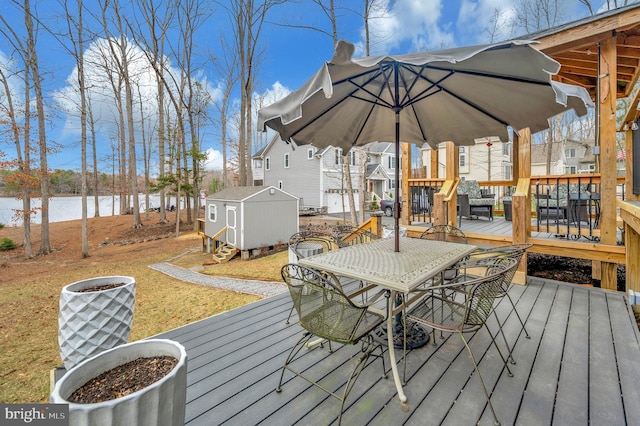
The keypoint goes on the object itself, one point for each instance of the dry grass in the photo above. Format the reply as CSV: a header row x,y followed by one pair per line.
x,y
264,268
29,294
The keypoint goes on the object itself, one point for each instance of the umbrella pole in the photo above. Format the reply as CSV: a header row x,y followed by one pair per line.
x,y
396,207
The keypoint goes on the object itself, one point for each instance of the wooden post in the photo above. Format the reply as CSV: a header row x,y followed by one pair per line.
x,y
608,90
521,200
376,224
405,212
452,170
435,165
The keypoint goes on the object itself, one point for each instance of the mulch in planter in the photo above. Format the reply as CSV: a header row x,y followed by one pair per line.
x,y
100,288
124,380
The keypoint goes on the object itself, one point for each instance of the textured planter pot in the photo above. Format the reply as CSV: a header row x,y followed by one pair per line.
x,y
91,322
161,403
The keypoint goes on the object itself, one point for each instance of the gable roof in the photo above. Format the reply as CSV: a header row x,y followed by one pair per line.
x,y
242,193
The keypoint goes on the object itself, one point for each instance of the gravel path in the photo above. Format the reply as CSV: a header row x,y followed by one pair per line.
x,y
259,288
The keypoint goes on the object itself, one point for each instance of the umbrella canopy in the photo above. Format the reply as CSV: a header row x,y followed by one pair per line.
x,y
448,95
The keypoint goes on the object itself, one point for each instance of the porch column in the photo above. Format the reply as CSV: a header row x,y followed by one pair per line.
x,y
607,137
521,204
452,171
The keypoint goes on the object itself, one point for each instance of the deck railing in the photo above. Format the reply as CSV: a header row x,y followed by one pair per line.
x,y
567,205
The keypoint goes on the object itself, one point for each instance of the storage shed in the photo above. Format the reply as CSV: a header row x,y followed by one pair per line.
x,y
255,217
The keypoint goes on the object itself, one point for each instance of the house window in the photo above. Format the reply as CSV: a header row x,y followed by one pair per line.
x,y
463,156
267,163
279,184
506,149
392,162
392,184
369,159
352,158
286,160
507,171
571,170
257,164
310,154
570,153
338,152
213,213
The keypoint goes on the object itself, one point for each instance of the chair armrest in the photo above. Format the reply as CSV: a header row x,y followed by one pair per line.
x,y
488,195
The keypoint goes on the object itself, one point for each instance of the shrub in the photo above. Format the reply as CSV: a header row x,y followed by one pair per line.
x,y
7,244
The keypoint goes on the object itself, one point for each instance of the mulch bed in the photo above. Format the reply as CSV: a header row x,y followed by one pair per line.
x,y
124,380
567,269
100,288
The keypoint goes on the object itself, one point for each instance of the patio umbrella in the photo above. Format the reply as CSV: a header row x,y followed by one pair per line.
x,y
429,97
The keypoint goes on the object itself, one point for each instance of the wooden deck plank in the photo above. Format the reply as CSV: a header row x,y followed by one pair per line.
x,y
603,371
540,391
572,399
508,394
235,360
625,335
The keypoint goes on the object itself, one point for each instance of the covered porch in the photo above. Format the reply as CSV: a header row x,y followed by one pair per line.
x,y
609,42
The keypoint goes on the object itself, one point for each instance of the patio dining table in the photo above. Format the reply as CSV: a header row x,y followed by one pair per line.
x,y
377,263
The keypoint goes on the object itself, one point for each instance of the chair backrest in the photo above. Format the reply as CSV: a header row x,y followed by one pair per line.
x,y
444,233
512,251
470,187
323,309
482,292
304,239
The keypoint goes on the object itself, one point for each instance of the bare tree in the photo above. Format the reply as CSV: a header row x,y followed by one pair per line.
x,y
158,21
75,34
31,61
248,18
227,67
23,152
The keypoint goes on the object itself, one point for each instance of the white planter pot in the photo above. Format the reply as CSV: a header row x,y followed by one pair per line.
x,y
159,404
91,322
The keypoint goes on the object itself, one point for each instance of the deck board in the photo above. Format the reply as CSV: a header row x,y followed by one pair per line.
x,y
580,366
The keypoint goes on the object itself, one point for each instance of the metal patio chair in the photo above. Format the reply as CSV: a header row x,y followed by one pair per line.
x,y
515,252
446,233
466,308
304,243
326,312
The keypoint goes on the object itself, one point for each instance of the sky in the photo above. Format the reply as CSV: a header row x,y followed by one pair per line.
x,y
291,55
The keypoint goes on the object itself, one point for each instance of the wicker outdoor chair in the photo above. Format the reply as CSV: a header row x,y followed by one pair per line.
x,y
466,308
326,312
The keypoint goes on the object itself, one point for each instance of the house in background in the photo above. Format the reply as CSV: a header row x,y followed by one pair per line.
x,y
488,159
316,176
567,158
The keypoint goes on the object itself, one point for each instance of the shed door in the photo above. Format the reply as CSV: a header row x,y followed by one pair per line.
x,y
231,225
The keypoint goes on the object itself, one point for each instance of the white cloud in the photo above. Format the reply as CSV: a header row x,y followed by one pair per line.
x,y
481,20
414,21
214,159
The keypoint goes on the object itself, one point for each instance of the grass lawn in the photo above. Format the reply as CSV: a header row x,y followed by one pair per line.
x,y
29,310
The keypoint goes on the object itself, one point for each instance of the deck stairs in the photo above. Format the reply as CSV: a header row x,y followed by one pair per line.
x,y
224,253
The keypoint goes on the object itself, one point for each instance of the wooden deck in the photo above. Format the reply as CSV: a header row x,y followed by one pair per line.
x,y
581,366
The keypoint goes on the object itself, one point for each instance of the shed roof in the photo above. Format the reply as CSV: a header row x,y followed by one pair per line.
x,y
242,193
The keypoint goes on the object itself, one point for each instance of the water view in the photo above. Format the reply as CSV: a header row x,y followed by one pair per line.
x,y
67,208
